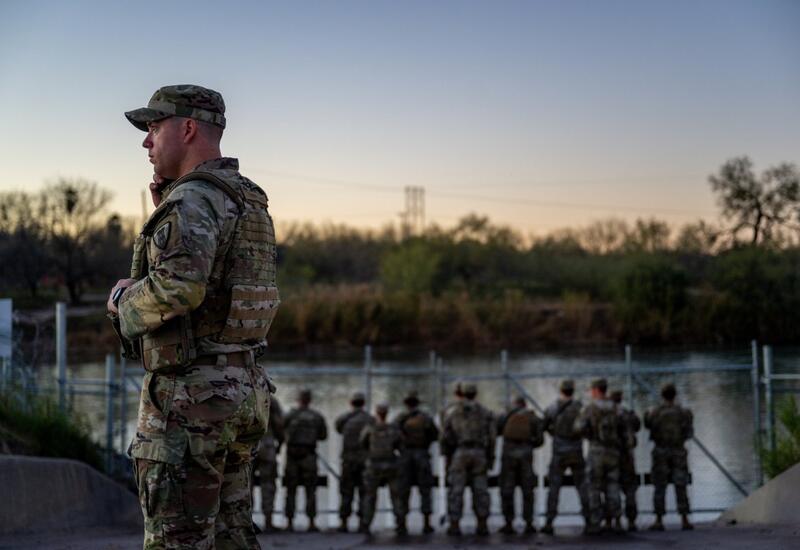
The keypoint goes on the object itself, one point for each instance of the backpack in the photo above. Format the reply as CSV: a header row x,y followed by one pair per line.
x,y
469,424
382,442
606,422
668,426
517,426
351,433
564,421
302,430
415,430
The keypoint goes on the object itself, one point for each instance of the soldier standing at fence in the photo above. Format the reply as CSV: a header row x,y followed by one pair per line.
x,y
628,480
267,462
670,427
559,420
467,442
304,428
196,309
601,424
522,432
419,432
354,457
384,444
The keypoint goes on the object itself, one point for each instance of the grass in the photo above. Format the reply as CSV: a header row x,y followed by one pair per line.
x,y
787,445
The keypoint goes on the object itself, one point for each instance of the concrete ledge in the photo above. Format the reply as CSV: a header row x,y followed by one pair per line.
x,y
44,494
775,503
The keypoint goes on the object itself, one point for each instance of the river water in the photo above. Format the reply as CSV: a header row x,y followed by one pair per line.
x,y
715,385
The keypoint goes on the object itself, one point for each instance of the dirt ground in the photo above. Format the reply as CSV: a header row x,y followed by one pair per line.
x,y
705,537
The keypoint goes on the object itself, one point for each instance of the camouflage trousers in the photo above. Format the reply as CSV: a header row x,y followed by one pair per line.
x,y
375,475
602,468
559,464
300,470
468,466
267,465
352,480
195,441
416,470
670,464
517,470
629,483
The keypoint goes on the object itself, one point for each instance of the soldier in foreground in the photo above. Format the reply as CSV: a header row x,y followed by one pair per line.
x,y
304,428
559,420
522,432
354,457
629,481
205,260
384,443
419,432
670,427
267,462
467,442
601,424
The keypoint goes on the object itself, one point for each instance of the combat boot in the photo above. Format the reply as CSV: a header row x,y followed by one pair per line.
x,y
400,530
592,529
658,525
427,528
618,526
632,525
454,530
548,527
363,528
312,527
343,526
686,525
483,529
290,525
529,528
508,528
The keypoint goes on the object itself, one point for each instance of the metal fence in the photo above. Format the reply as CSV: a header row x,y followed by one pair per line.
x,y
723,455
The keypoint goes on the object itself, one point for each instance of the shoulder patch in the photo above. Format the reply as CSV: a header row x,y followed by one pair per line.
x,y
161,236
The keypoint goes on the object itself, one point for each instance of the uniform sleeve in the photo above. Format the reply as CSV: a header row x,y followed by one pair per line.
x,y
648,419
433,431
363,439
537,430
688,424
185,243
582,424
339,423
322,430
277,425
636,423
547,421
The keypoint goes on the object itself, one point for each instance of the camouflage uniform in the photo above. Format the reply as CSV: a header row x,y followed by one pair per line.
x,y
559,420
384,443
354,457
419,432
670,427
467,441
600,423
522,432
629,481
267,460
304,428
205,402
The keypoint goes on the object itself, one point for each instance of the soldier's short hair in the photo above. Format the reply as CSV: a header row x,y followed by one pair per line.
x,y
600,384
358,399
567,386
304,395
616,396
382,409
668,391
519,401
470,390
411,399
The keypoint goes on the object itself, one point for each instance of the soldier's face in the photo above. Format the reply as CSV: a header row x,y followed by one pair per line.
x,y
165,146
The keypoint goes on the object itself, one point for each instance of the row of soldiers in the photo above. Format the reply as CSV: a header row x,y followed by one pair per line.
x,y
377,452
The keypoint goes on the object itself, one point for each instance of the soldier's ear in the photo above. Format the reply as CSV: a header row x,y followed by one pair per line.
x,y
189,128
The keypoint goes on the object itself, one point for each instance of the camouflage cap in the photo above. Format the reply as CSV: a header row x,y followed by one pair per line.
x,y
304,394
469,388
358,396
411,398
616,396
186,100
568,384
382,409
599,384
668,391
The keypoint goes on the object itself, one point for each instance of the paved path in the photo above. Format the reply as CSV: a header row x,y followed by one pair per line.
x,y
704,537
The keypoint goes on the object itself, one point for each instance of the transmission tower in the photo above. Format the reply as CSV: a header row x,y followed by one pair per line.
x,y
413,218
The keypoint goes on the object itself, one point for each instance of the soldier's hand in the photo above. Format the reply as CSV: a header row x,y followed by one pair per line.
x,y
122,283
155,189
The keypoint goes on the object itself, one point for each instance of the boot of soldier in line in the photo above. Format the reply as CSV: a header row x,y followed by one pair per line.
x,y
658,525
548,527
483,528
529,528
427,528
632,524
401,530
453,529
508,528
686,525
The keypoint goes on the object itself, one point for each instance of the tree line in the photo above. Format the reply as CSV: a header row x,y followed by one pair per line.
x,y
478,283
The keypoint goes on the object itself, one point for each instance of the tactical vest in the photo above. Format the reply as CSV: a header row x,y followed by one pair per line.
x,y
415,430
518,426
382,442
667,425
606,426
351,432
469,425
302,430
564,422
241,296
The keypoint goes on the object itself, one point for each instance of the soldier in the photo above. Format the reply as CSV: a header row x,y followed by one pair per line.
x,y
304,428
419,432
600,423
204,262
670,427
267,462
467,442
383,443
559,420
522,432
628,479
354,456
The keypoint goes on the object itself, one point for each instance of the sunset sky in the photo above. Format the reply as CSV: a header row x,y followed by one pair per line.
x,y
538,114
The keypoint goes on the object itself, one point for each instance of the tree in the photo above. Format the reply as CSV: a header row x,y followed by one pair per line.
x,y
763,205
23,242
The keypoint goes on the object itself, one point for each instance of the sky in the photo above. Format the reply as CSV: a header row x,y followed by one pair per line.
x,y
539,114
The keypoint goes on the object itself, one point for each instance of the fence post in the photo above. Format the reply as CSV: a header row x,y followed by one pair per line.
x,y
507,380
768,397
109,412
629,365
61,353
123,405
754,381
4,374
368,377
